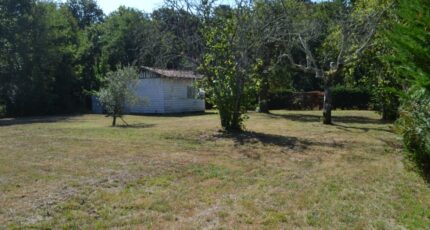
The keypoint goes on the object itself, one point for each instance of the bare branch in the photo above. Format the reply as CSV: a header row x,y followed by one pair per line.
x,y
308,52
294,64
342,48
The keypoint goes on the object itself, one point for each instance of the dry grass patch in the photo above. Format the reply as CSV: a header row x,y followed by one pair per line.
x,y
179,172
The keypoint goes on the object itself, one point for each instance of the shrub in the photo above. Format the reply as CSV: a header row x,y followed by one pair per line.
x,y
343,98
410,38
414,124
2,110
280,100
296,100
118,91
351,98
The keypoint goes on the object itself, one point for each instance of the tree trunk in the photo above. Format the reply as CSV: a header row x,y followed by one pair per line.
x,y
114,120
263,97
328,100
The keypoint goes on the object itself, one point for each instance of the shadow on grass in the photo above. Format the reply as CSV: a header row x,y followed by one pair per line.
x,y
297,117
136,126
411,162
250,137
31,120
341,119
179,115
364,129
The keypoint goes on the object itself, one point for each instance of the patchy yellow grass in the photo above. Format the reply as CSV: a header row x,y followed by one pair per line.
x,y
178,172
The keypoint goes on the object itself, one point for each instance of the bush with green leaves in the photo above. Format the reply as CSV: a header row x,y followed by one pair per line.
x,y
411,40
118,91
351,97
227,67
415,127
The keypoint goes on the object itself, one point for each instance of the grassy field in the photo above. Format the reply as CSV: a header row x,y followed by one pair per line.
x,y
179,172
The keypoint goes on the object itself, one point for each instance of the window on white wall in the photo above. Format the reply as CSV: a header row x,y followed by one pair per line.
x,y
191,92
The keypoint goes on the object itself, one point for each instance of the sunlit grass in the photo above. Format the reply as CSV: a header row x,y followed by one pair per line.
x,y
286,171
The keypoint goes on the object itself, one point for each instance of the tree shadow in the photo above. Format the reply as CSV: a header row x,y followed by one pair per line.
x,y
341,119
358,120
178,115
297,117
251,137
136,126
31,120
412,163
364,129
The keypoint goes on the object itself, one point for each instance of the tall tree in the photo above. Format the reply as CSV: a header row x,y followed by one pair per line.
x,y
120,39
16,18
328,35
38,56
227,65
86,12
176,41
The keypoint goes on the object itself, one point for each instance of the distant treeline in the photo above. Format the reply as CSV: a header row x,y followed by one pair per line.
x,y
53,55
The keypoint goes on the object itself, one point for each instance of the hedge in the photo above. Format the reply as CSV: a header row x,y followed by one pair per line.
x,y
343,98
296,101
351,98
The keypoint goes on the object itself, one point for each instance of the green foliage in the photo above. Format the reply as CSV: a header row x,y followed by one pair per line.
x,y
53,54
351,98
226,68
415,127
174,40
411,39
386,93
289,99
119,39
343,97
2,110
38,47
373,71
86,12
118,91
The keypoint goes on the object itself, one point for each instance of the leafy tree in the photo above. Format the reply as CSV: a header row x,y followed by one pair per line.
x,y
176,41
16,18
374,72
118,91
120,39
323,38
87,65
38,56
227,66
264,53
86,12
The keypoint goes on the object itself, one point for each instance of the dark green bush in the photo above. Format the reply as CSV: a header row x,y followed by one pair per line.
x,y
343,98
414,124
280,100
351,98
2,110
296,100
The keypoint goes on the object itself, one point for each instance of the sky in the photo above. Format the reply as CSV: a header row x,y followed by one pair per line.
x,y
146,5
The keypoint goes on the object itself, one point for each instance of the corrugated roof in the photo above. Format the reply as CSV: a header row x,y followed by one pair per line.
x,y
173,73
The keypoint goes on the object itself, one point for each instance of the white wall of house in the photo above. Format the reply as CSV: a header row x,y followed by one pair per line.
x,y
177,98
150,93
160,95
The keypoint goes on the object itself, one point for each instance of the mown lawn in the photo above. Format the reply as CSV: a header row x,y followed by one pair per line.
x,y
179,172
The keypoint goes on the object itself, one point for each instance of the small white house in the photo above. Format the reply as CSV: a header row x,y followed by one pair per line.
x,y
164,91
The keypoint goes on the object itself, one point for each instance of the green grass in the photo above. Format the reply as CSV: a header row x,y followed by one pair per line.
x,y
286,171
